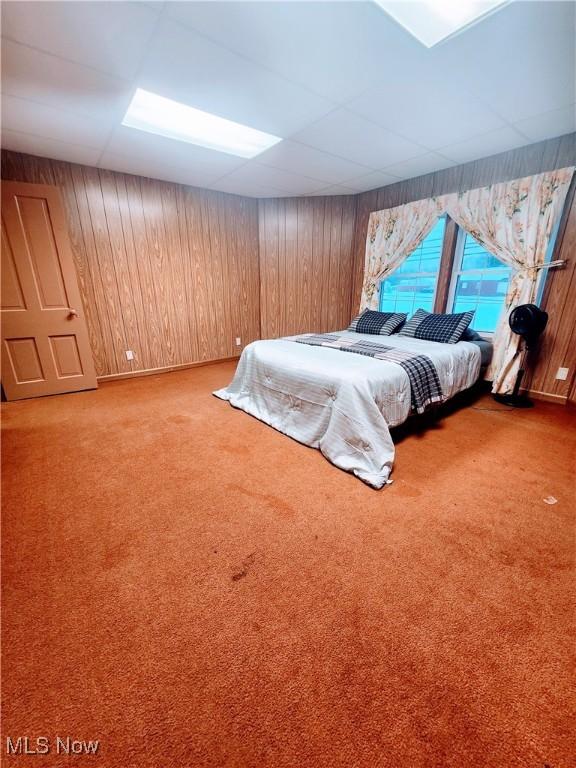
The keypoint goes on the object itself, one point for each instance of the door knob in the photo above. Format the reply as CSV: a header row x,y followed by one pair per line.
x,y
72,312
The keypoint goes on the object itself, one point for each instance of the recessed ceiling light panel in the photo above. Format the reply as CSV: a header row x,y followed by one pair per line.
x,y
164,117
431,21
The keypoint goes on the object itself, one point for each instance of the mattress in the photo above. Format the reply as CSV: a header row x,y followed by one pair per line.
x,y
341,403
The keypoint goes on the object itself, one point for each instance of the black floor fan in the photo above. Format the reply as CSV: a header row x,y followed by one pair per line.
x,y
527,321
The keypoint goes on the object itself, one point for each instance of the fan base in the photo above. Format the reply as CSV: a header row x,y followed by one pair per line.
x,y
516,401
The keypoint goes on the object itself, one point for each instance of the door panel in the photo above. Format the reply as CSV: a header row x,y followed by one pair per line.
x,y
42,252
24,360
45,346
66,356
12,296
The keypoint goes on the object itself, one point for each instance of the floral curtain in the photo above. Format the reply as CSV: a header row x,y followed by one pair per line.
x,y
512,220
392,236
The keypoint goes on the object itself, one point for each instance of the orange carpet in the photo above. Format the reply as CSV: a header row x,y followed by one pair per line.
x,y
191,588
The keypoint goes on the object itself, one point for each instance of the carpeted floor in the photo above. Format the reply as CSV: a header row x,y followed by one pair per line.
x,y
192,589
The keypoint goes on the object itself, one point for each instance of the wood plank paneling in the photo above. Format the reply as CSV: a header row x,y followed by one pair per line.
x,y
107,291
176,273
290,270
305,263
558,343
365,204
170,272
557,348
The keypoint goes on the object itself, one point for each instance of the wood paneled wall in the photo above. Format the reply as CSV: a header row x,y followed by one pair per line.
x,y
558,344
177,273
168,271
305,264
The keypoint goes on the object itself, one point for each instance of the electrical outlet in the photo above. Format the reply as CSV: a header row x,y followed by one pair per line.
x,y
238,341
129,354
562,374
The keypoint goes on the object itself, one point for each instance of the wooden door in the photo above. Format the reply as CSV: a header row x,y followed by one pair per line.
x,y
45,346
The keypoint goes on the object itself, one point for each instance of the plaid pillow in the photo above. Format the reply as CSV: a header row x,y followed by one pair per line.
x,y
379,323
447,329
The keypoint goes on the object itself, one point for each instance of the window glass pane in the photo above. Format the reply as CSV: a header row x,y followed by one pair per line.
x,y
426,258
413,284
481,286
483,292
477,257
407,293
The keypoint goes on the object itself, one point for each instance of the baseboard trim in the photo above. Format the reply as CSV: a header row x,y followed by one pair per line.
x,y
547,396
164,369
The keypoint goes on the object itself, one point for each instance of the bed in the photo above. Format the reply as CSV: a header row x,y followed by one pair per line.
x,y
344,404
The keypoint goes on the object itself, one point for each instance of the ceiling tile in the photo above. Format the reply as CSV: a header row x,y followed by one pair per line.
x,y
51,123
426,108
245,187
419,166
118,31
57,150
262,175
347,135
520,61
37,76
334,48
150,148
344,189
187,67
372,181
550,124
334,189
299,158
488,144
154,167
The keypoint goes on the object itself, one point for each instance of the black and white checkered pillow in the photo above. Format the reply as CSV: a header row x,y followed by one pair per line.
x,y
447,329
378,323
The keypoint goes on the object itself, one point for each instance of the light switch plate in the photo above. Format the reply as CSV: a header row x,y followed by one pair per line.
x,y
562,374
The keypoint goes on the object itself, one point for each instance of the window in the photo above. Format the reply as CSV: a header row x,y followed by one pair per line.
x,y
413,285
479,283
479,280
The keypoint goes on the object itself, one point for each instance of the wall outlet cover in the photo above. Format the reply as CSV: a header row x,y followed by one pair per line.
x,y
129,354
562,374
238,341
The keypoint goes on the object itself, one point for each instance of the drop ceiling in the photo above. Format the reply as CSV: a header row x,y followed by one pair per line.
x,y
358,101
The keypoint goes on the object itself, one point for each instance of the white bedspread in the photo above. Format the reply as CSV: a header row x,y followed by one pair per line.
x,y
339,402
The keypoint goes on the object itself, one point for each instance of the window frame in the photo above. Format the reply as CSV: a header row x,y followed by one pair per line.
x,y
457,271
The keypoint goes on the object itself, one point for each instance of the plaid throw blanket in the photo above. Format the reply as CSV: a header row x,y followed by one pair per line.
x,y
424,382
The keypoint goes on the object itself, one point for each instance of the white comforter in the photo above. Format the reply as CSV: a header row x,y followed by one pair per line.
x,y
340,402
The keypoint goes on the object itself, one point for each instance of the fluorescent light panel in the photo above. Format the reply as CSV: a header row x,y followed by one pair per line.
x,y
164,117
431,21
